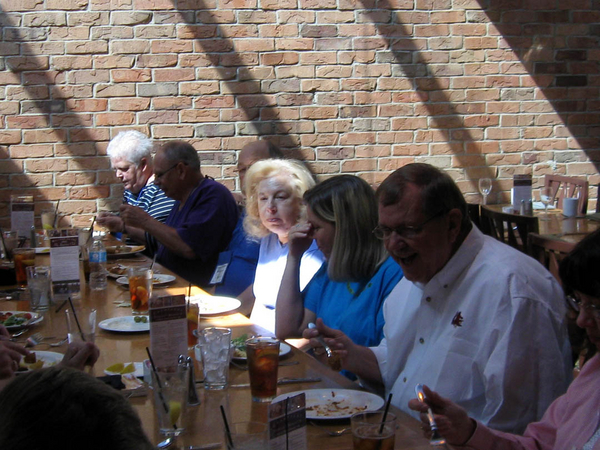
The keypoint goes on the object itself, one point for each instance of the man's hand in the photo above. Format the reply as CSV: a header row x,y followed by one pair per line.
x,y
10,355
134,216
111,221
452,421
80,354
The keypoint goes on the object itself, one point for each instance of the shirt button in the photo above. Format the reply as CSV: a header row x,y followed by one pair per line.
x,y
405,379
445,286
421,340
428,299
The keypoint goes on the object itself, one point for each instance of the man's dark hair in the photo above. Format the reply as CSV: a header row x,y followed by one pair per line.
x,y
181,151
579,269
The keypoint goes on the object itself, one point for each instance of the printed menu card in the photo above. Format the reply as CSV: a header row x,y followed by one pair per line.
x,y
168,329
64,262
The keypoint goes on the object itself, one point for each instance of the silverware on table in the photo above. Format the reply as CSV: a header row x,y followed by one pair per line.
x,y
436,438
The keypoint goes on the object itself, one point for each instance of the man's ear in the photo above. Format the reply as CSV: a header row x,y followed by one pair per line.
x,y
455,218
143,164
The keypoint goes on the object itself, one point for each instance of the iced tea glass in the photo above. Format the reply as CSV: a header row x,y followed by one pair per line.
x,y
263,362
192,323
24,257
368,432
140,288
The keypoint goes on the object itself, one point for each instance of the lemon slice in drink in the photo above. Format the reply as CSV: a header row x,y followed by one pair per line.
x,y
116,368
174,411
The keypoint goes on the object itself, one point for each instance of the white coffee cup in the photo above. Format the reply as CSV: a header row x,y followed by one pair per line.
x,y
570,207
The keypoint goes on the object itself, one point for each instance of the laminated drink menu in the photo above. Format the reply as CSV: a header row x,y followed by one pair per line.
x,y
168,330
22,214
287,423
521,190
64,262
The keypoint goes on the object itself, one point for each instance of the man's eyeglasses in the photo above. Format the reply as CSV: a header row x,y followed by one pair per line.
x,y
406,232
160,175
578,305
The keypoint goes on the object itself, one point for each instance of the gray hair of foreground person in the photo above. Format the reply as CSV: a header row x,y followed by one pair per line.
x,y
60,407
181,151
439,192
298,176
349,203
130,146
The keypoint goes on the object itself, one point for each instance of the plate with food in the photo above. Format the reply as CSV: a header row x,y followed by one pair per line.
x,y
126,324
239,348
158,279
116,270
39,360
327,404
136,368
114,251
14,320
210,305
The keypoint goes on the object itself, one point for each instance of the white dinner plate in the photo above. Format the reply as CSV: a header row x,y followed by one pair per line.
x,y
210,305
50,359
35,318
117,251
336,404
139,369
158,279
125,324
284,349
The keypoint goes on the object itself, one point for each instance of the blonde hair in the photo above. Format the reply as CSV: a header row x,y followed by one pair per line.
x,y
298,176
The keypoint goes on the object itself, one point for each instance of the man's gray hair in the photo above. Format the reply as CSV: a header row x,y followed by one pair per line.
x,y
130,146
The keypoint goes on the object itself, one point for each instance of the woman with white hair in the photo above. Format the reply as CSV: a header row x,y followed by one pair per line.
x,y
274,189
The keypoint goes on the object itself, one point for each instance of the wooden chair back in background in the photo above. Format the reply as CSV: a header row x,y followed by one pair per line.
x,y
562,186
512,229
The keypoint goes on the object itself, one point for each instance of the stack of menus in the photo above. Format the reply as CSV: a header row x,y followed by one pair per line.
x,y
168,330
22,214
64,261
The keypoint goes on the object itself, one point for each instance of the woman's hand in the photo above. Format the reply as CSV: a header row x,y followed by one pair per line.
x,y
299,239
452,421
337,341
80,354
10,355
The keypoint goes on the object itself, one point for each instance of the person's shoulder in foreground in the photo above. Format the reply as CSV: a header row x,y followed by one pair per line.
x,y
65,408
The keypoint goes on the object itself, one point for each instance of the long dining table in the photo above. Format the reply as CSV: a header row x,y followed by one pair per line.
x,y
203,423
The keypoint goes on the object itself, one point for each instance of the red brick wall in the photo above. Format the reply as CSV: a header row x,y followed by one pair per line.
x,y
481,88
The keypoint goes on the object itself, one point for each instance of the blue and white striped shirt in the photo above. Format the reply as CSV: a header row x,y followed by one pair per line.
x,y
152,200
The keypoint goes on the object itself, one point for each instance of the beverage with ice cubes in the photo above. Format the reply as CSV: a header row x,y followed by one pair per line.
x,y
215,356
263,362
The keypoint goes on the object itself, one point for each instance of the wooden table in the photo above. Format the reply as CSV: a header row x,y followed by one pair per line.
x,y
204,422
557,226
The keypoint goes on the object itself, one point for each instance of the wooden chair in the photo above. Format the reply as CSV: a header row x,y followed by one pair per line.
x,y
562,186
473,209
548,251
512,229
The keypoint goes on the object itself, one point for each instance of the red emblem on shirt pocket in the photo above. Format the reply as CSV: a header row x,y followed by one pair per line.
x,y
457,320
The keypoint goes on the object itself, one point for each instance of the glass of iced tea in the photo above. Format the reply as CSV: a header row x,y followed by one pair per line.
x,y
263,362
192,323
24,257
371,432
140,288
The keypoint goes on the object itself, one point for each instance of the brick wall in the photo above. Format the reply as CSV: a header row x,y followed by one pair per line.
x,y
481,88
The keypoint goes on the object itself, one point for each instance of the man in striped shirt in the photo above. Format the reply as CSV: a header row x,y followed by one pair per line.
x,y
130,155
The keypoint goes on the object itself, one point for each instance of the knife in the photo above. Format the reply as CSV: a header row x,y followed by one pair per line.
x,y
282,381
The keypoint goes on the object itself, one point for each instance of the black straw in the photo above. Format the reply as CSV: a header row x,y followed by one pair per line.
x,y
61,306
76,319
385,413
159,387
227,430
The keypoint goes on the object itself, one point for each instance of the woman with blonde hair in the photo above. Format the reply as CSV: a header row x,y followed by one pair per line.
x,y
348,291
274,189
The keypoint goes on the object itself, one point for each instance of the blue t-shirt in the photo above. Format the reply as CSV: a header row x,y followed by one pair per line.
x,y
356,308
205,223
241,256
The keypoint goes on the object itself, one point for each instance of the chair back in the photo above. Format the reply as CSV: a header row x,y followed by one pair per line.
x,y
512,229
549,252
562,186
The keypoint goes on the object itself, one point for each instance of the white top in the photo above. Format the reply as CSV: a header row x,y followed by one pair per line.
x,y
272,259
487,331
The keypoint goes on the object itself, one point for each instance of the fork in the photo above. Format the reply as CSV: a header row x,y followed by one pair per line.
x,y
34,339
333,433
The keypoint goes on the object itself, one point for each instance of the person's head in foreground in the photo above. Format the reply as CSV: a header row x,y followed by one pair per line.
x,y
254,152
274,189
579,276
65,408
342,211
177,169
423,219
130,154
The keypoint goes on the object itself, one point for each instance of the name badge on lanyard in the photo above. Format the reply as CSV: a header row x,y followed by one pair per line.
x,y
221,269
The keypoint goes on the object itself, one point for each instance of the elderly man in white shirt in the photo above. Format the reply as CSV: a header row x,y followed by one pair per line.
x,y
473,319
